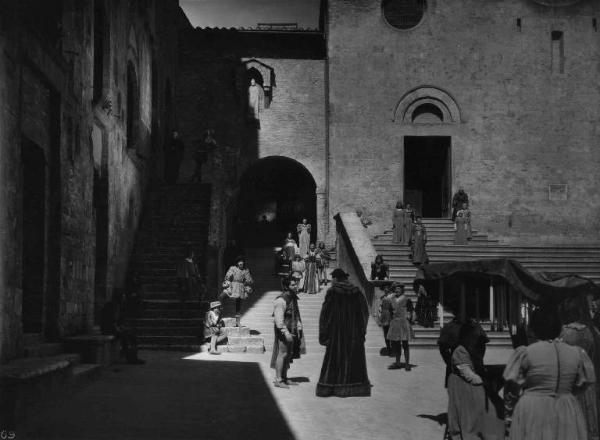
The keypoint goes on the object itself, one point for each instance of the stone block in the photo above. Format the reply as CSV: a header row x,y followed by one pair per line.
x,y
236,348
245,340
237,331
255,349
229,322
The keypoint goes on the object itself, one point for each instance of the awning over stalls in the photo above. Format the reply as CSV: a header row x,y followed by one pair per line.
x,y
538,287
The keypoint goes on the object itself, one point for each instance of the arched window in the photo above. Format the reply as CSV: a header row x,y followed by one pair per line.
x,y
404,14
133,106
427,114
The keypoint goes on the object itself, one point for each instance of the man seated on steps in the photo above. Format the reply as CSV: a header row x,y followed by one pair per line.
x,y
213,327
113,322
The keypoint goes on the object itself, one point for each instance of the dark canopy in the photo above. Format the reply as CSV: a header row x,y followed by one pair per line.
x,y
538,287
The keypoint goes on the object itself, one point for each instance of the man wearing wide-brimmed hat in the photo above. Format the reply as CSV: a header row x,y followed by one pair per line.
x,y
342,329
213,326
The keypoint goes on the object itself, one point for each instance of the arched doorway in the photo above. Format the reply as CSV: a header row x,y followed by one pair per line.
x,y
275,194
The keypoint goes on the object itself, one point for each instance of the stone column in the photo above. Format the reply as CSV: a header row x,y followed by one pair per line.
x,y
322,215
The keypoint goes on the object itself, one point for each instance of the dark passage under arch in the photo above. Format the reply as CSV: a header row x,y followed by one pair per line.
x,y
275,194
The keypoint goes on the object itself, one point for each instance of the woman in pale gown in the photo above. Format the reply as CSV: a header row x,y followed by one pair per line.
x,y
399,225
462,225
543,379
290,247
303,237
311,276
577,330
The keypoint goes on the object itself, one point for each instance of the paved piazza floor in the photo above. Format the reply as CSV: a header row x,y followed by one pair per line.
x,y
230,397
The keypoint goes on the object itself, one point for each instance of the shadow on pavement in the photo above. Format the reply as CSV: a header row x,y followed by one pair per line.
x,y
168,398
441,419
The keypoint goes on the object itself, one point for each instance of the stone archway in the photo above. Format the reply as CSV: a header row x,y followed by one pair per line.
x,y
275,193
427,104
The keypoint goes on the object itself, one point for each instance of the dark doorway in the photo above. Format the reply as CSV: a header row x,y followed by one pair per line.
x,y
101,211
275,194
427,174
34,236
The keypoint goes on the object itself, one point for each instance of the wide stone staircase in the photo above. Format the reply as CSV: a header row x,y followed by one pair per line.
x,y
174,217
582,260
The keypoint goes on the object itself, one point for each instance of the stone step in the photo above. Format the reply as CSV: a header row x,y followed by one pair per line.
x,y
170,340
84,374
170,331
44,349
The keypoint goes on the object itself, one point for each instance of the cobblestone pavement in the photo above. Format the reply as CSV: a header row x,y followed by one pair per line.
x,y
230,397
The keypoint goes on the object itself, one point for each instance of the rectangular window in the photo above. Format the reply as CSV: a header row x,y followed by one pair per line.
x,y
558,52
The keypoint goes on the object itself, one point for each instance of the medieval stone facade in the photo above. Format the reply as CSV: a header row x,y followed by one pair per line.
x,y
83,94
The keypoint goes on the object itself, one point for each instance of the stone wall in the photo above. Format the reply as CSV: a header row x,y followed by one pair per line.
x,y
47,96
523,126
212,93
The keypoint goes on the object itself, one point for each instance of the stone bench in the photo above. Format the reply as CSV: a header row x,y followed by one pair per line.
x,y
95,348
26,382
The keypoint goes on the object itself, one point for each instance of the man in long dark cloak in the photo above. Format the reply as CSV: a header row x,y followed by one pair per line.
x,y
457,201
342,329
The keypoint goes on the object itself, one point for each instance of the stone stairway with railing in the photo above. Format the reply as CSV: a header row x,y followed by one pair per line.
x,y
581,260
174,217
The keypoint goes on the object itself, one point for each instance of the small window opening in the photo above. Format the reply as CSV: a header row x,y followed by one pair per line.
x,y
558,52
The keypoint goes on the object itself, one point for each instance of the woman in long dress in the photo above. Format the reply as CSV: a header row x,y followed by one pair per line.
x,y
303,230
399,225
400,330
311,277
542,379
460,229
418,243
237,285
289,247
471,413
298,269
426,306
576,331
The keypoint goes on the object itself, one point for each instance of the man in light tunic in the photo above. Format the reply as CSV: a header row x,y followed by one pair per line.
x,y
256,98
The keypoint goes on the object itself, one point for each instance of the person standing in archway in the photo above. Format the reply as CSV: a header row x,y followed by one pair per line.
x,y
174,149
303,236
311,282
399,225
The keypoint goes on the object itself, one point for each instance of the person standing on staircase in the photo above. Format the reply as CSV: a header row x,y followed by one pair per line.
x,y
174,149
289,339
418,242
342,328
399,225
400,331
323,258
189,280
457,201
237,286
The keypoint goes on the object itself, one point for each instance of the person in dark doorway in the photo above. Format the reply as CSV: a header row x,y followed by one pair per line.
x,y
134,296
113,322
213,327
457,201
237,286
400,329
189,280
342,328
471,412
399,225
418,242
311,277
289,339
426,306
409,218
174,149
231,252
323,258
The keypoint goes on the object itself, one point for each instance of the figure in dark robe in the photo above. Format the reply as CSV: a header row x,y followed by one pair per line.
x,y
189,280
399,225
342,329
289,338
409,218
426,307
174,149
418,242
457,201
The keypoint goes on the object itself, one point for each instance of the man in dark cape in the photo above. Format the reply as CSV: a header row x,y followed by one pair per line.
x,y
457,201
342,329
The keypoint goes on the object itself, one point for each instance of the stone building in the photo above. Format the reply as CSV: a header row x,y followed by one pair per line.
x,y
86,96
411,101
